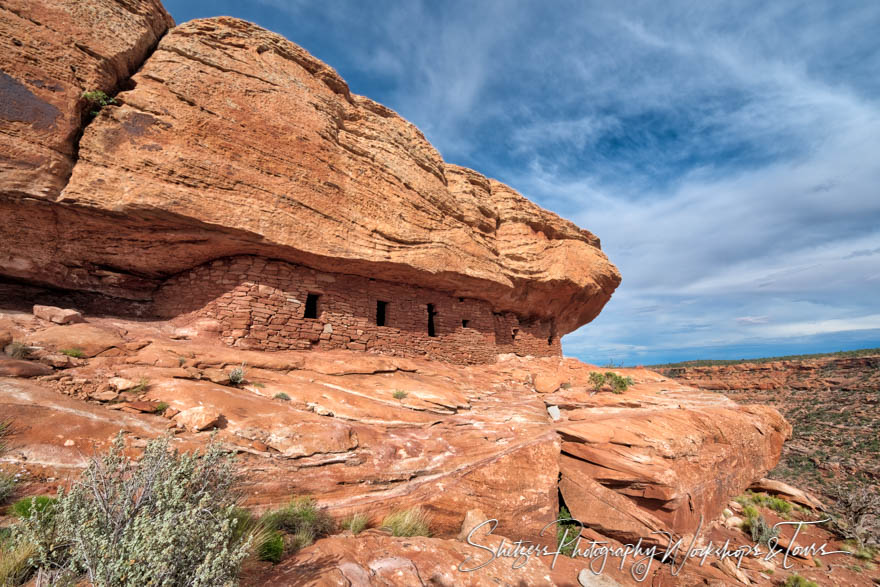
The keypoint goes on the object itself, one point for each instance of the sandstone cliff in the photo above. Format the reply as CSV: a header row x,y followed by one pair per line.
x,y
232,140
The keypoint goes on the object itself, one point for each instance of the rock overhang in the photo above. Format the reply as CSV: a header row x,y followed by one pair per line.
x,y
233,140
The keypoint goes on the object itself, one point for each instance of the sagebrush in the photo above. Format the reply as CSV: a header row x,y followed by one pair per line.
x,y
166,520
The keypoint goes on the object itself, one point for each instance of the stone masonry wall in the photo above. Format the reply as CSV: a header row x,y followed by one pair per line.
x,y
261,304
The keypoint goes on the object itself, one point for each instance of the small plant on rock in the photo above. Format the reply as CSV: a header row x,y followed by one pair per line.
x,y
282,396
399,394
143,385
96,100
18,350
74,352
161,407
597,381
798,581
411,522
356,523
757,527
7,481
301,518
567,530
236,376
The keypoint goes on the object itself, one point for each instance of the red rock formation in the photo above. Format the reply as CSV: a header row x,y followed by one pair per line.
x,y
233,140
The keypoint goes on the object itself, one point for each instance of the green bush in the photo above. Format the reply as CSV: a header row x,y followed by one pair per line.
x,y
161,407
41,503
74,352
96,100
597,380
572,529
18,350
618,383
411,522
798,581
399,394
272,547
356,523
757,527
776,504
303,519
169,520
282,396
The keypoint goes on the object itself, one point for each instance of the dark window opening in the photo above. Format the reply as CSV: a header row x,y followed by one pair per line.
x,y
380,313
312,305
464,323
513,333
460,299
431,313
550,341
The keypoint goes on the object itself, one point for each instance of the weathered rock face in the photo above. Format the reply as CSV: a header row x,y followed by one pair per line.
x,y
370,434
52,52
235,141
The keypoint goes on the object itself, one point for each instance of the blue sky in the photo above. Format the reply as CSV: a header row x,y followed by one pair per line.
x,y
727,154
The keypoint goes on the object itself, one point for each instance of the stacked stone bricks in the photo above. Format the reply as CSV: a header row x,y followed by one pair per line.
x,y
261,304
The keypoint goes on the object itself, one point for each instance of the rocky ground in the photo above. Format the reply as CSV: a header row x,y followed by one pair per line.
x,y
832,403
366,433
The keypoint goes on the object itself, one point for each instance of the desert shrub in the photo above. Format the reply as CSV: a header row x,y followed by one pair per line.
x,y
7,487
96,100
856,514
798,581
399,394
566,531
411,522
74,352
7,481
272,547
18,350
303,519
282,396
597,380
356,523
774,503
167,520
618,383
24,507
143,385
236,376
15,563
161,407
757,527
566,385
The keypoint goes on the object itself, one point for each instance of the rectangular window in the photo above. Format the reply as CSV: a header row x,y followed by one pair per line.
x,y
464,323
431,314
380,312
312,305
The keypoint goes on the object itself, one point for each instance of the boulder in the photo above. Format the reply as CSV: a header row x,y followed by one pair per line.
x,y
547,383
91,340
198,418
788,492
57,315
17,368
